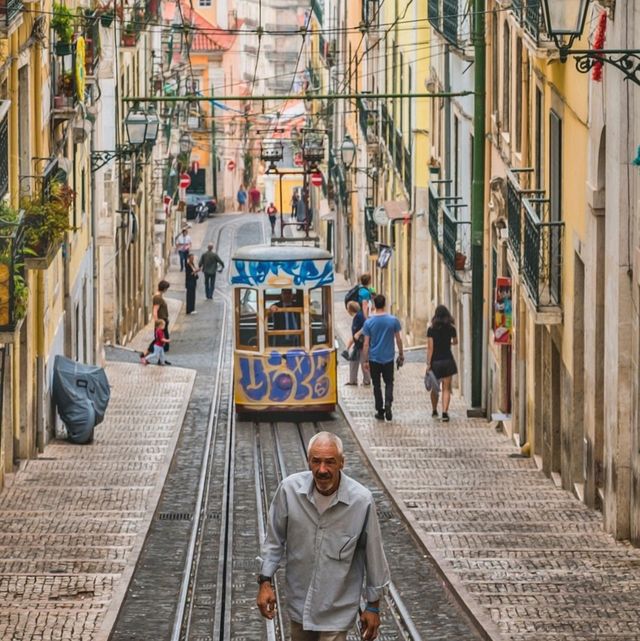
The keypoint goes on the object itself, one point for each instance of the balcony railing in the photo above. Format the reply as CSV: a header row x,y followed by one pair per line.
x,y
4,149
398,151
13,289
434,217
542,253
516,7
515,193
451,20
533,22
456,241
433,8
9,12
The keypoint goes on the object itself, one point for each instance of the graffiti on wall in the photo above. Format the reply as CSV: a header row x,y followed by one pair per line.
x,y
301,273
293,377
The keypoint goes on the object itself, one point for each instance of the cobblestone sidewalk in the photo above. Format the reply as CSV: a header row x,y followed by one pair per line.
x,y
74,520
530,561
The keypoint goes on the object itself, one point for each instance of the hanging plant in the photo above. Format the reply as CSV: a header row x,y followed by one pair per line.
x,y
47,221
62,23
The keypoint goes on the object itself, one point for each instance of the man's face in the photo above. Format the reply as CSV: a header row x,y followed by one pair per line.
x,y
325,464
287,296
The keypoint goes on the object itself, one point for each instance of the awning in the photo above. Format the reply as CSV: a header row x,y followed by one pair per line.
x,y
397,209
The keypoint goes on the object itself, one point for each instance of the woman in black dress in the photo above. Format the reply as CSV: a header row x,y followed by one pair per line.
x,y
441,335
190,281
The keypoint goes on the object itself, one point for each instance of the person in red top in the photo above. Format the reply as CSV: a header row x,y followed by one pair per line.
x,y
158,344
254,198
271,212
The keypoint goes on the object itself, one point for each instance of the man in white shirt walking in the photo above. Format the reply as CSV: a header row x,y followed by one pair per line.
x,y
329,526
183,245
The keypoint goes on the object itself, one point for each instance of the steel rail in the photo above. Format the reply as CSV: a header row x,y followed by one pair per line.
x,y
190,566
262,500
222,619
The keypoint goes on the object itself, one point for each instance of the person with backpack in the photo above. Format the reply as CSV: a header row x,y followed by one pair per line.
x,y
361,294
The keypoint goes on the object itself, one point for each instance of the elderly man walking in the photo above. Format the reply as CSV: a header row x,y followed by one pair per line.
x,y
328,524
210,263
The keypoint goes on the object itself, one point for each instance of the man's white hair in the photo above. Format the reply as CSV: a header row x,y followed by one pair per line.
x,y
329,437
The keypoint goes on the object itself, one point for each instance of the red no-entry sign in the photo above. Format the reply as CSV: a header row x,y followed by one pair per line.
x,y
185,181
231,165
316,179
297,160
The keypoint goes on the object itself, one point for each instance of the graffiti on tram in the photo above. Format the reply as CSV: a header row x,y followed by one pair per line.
x,y
302,273
293,376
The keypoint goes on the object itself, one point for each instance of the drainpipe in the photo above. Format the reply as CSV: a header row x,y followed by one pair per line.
x,y
39,318
477,209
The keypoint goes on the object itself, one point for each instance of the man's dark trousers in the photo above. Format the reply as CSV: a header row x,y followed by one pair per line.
x,y
384,370
209,284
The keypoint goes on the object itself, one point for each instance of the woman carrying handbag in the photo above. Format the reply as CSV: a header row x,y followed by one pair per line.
x,y
441,335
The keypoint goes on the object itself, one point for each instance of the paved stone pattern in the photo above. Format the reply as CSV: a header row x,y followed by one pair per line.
x,y
71,518
525,554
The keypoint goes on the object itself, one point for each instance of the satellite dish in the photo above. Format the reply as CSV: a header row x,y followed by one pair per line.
x,y
380,216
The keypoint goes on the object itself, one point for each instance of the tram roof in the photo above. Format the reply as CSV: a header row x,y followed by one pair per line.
x,y
281,253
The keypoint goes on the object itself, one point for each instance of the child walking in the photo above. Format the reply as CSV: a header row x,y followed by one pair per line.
x,y
158,344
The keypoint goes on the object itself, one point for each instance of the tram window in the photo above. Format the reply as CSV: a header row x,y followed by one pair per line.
x,y
247,318
320,315
283,311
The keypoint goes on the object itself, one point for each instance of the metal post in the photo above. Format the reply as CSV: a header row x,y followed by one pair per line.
x,y
281,214
477,206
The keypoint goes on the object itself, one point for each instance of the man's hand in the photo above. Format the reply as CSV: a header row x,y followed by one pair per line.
x,y
266,600
369,624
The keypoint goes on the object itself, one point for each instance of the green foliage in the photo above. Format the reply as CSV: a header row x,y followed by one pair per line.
x,y
47,220
9,225
62,23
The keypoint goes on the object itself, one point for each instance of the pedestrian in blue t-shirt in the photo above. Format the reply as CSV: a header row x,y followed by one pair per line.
x,y
380,331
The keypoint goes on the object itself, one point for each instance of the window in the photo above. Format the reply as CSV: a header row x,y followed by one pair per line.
x,y
506,78
204,3
538,136
283,312
495,95
320,316
247,318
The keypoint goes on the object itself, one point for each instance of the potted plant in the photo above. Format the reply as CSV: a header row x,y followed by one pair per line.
x,y
46,220
130,34
62,24
460,261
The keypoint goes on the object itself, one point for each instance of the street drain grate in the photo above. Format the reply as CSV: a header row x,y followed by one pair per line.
x,y
175,516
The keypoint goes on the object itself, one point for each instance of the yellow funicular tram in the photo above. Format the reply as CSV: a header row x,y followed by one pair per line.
x,y
284,352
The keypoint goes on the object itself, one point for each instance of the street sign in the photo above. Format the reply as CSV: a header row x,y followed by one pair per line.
x,y
316,179
231,165
185,181
195,167
298,160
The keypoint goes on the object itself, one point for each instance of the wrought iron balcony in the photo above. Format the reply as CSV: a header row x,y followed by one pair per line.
x,y
13,288
451,18
542,253
433,8
515,193
4,148
516,7
434,217
456,240
533,21
10,11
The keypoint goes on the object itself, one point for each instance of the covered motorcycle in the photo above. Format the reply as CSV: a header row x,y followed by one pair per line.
x,y
81,393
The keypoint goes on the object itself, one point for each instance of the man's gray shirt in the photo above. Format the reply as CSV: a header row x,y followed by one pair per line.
x,y
209,262
327,556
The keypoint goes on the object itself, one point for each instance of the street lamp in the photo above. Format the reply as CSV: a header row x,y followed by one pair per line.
x,y
565,20
136,125
348,151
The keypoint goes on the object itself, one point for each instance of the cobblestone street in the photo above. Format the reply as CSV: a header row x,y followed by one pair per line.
x,y
74,520
530,561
